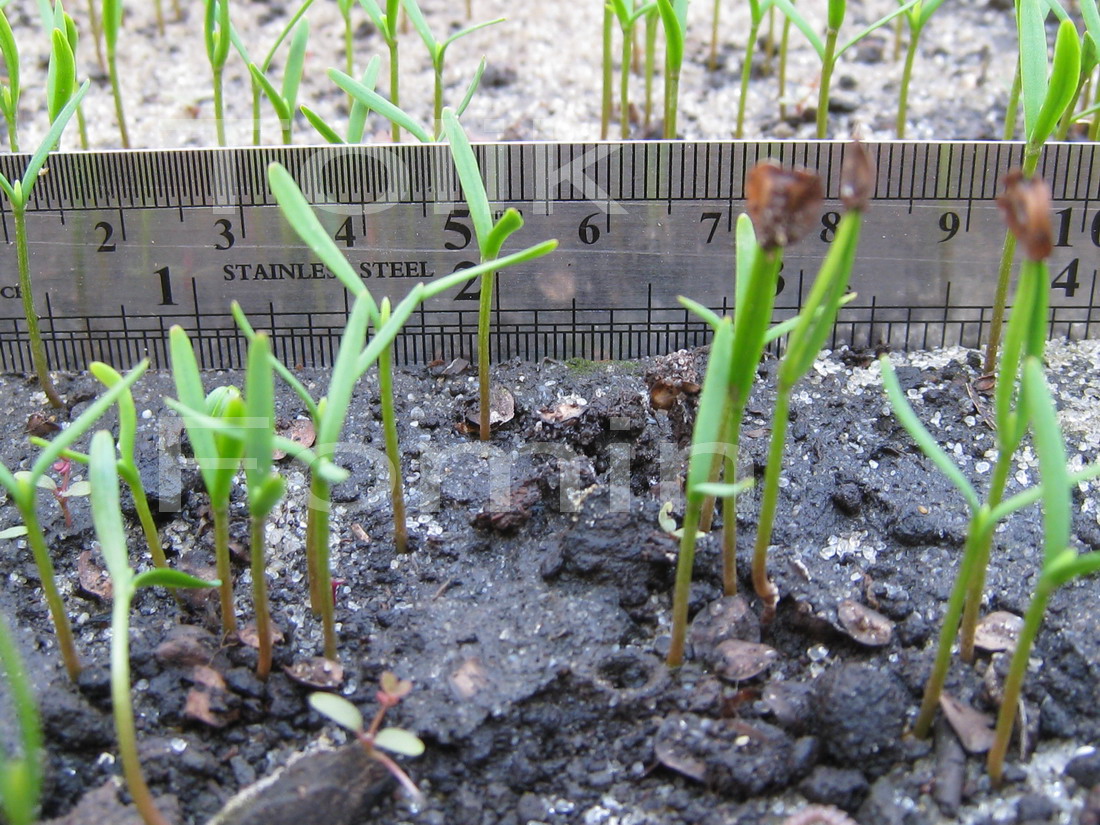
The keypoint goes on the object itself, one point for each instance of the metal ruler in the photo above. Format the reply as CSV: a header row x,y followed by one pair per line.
x,y
125,244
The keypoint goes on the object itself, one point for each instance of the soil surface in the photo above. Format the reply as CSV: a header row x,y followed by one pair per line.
x,y
533,611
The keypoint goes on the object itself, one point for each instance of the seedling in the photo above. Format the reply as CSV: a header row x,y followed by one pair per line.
x,y
756,17
627,18
389,428
674,20
652,21
352,361
437,51
112,24
1046,98
357,116
607,73
916,17
20,773
11,90
828,51
65,489
19,193
215,32
376,739
386,23
803,346
127,465
1061,562
349,41
107,517
285,99
22,488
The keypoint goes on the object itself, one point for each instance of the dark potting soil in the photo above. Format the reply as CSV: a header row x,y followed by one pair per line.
x,y
532,614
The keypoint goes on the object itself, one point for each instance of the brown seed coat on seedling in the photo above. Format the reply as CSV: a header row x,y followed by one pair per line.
x,y
784,204
857,177
1025,204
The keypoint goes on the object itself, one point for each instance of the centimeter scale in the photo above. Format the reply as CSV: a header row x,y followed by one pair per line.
x,y
125,244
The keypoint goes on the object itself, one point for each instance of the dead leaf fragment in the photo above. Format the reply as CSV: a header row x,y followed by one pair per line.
x,y
250,636
187,644
864,625
502,408
317,672
469,678
974,728
998,631
738,660
300,431
41,425
207,701
673,750
564,409
94,580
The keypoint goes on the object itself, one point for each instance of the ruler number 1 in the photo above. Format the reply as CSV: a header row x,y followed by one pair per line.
x,y
166,299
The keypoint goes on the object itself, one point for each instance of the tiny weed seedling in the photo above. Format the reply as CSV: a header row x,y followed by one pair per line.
x,y
437,51
827,50
805,342
19,192
674,21
627,18
386,24
22,488
20,773
1046,98
353,359
112,24
285,98
127,465
376,739
215,32
64,489
107,517
916,17
1061,562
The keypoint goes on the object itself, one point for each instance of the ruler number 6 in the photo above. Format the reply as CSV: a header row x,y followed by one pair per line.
x,y
588,232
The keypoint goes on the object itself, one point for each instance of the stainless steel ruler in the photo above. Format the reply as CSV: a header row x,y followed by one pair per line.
x,y
125,244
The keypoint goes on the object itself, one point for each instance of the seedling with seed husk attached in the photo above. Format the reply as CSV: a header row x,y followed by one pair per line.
x,y
1026,204
22,488
376,739
437,51
112,24
1046,98
627,17
674,20
21,772
354,357
827,50
107,517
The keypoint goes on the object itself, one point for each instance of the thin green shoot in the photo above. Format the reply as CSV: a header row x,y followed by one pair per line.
x,y
627,18
1046,97
1061,562
107,517
375,739
357,116
437,51
112,24
96,26
10,90
831,48
215,32
916,17
22,489
386,24
20,773
674,21
781,71
284,100
349,39
389,427
607,73
756,17
652,21
712,60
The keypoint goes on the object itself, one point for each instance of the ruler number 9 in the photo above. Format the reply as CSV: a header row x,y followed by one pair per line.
x,y
949,223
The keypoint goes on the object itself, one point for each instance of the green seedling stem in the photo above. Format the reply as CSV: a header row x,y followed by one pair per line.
x,y
1061,562
107,517
627,17
1045,101
21,774
18,193
756,17
218,455
22,488
265,486
652,19
386,23
97,34
375,739
607,73
917,16
127,465
349,41
389,427
828,50
1088,66
11,90
437,51
712,60
352,361
781,72
674,21
284,100
216,36
112,23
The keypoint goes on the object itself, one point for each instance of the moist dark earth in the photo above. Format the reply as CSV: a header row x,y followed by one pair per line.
x,y
532,614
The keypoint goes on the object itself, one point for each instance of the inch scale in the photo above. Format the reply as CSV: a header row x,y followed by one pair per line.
x,y
125,244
